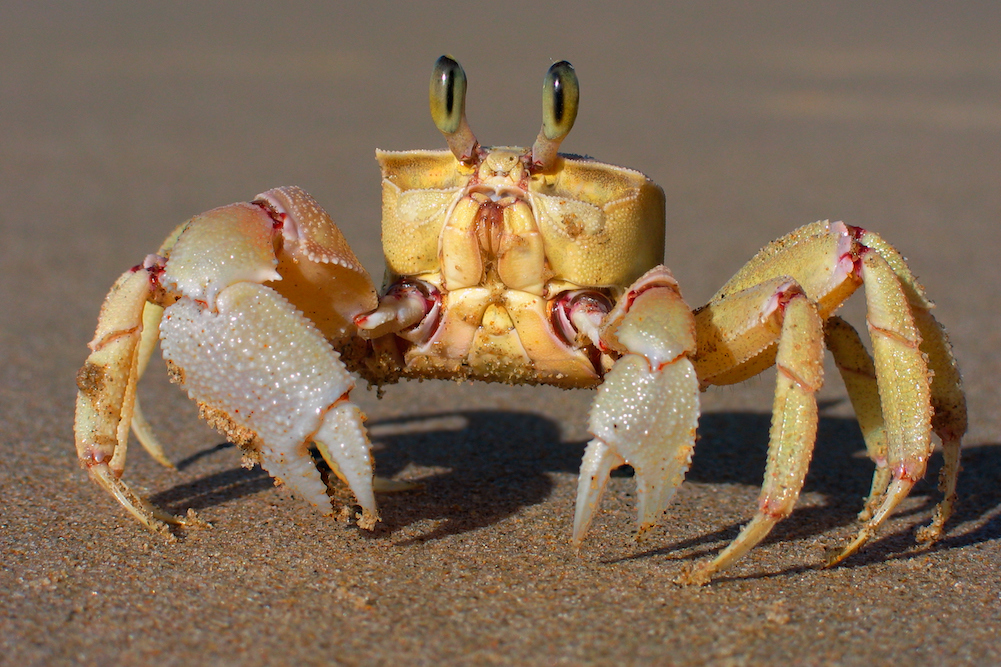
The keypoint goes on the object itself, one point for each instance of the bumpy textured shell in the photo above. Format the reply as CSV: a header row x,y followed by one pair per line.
x,y
602,225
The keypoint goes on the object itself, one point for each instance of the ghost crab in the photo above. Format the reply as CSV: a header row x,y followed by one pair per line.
x,y
514,265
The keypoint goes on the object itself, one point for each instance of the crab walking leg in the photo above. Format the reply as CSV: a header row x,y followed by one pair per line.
x,y
266,377
152,312
948,401
147,345
859,374
949,420
106,384
904,389
646,411
793,432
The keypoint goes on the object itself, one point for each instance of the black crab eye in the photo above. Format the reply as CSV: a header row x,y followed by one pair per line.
x,y
447,95
560,100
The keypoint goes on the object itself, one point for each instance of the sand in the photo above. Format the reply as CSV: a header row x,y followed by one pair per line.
x,y
119,121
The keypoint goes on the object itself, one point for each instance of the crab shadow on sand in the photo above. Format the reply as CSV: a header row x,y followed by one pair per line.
x,y
478,467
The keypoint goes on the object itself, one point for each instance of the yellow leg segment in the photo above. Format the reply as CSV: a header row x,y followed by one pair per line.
x,y
147,345
904,389
106,396
949,420
151,315
737,334
859,374
793,431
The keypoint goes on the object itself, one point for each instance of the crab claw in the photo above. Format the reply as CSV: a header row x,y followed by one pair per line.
x,y
646,411
319,272
247,298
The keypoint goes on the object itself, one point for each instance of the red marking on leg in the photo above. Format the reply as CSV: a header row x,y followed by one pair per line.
x,y
425,328
96,456
775,508
796,379
853,258
632,295
894,335
912,471
783,298
563,307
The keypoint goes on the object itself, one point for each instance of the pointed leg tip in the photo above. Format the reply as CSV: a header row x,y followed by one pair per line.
x,y
695,575
188,521
930,534
577,538
833,557
897,491
936,529
192,520
836,556
165,533
368,519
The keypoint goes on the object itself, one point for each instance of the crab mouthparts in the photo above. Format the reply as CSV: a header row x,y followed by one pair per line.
x,y
498,192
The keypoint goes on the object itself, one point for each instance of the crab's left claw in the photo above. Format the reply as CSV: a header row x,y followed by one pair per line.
x,y
646,411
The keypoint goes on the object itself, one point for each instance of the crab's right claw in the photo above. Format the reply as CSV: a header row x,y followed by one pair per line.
x,y
234,295
646,411
248,339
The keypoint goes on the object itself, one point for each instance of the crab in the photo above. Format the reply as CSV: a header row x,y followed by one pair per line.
x,y
521,266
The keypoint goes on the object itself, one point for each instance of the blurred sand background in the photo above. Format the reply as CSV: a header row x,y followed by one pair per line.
x,y
118,120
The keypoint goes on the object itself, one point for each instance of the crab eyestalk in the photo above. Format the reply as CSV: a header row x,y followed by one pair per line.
x,y
560,99
448,108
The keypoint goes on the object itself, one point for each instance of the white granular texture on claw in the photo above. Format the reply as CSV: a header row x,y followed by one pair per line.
x,y
262,363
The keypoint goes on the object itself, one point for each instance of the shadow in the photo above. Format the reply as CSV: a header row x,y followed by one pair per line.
x,y
478,467
732,449
214,489
184,464
486,465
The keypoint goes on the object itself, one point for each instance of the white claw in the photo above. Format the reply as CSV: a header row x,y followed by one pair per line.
x,y
647,409
647,419
345,447
258,362
599,462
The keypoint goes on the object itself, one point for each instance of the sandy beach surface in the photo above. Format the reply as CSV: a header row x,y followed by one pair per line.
x,y
119,120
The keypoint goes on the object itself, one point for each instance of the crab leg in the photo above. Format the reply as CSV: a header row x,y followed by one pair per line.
x,y
140,426
262,372
859,374
794,419
646,411
949,420
106,397
905,389
152,312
